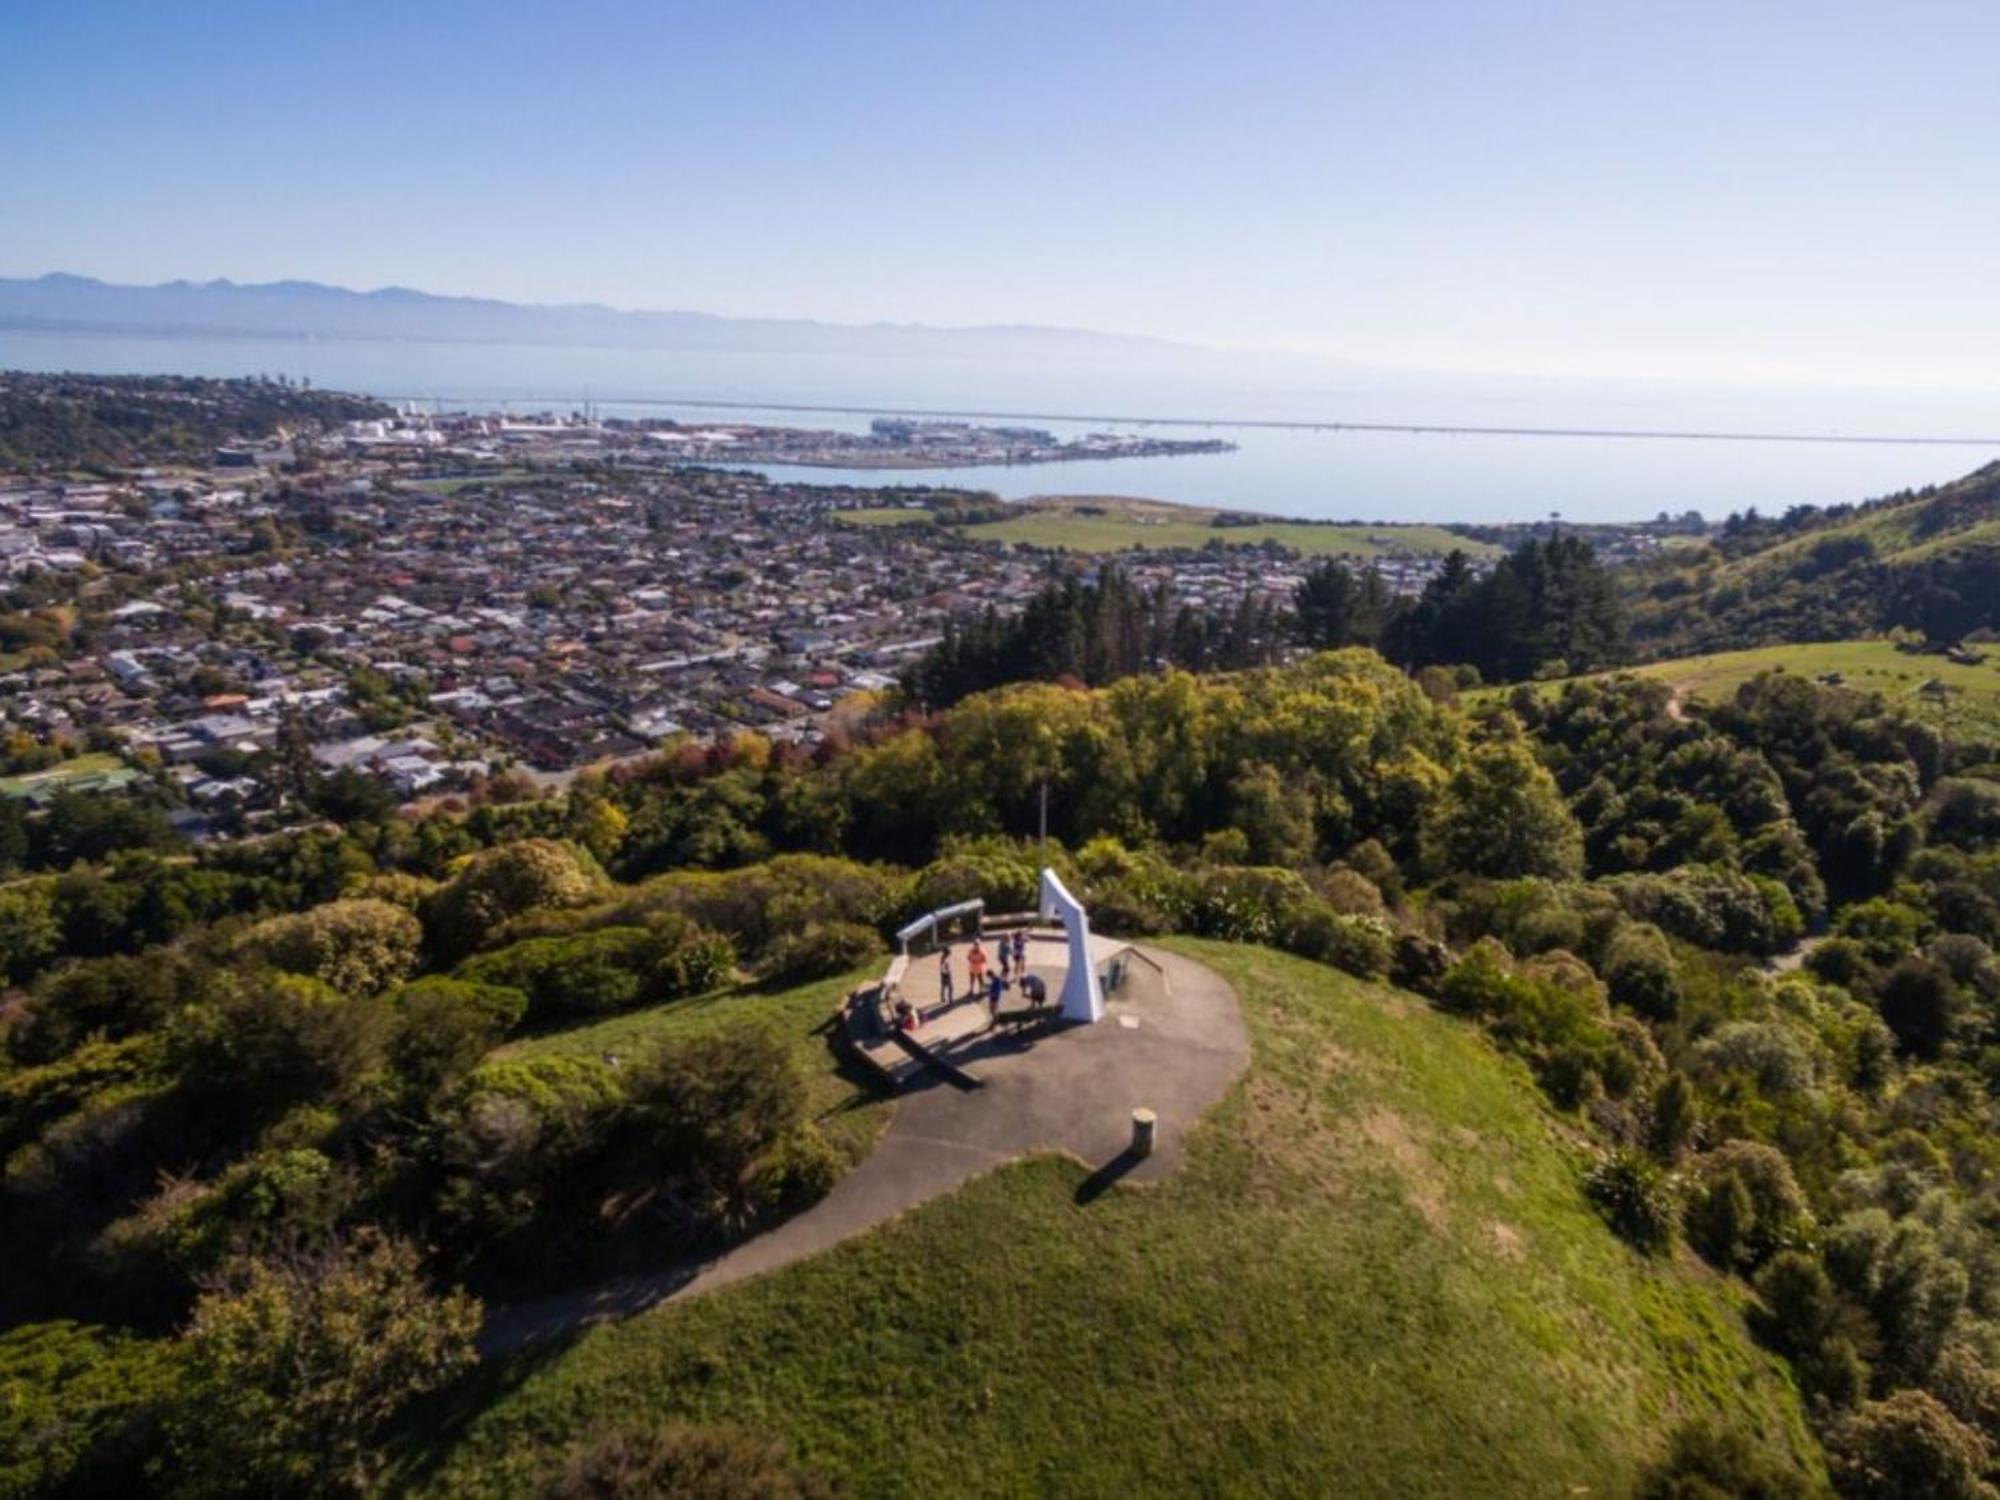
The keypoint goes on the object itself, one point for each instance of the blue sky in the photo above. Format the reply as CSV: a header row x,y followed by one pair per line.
x,y
1751,191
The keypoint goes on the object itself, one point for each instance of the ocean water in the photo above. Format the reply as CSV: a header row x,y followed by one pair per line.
x,y
1313,469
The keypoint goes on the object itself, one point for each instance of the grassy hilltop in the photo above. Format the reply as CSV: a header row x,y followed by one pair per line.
x,y
1376,1274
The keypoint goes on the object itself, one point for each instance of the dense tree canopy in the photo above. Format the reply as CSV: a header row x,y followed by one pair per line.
x,y
223,1065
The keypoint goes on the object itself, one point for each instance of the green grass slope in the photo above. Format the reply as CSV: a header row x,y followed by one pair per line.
x,y
847,1113
1968,706
1374,1275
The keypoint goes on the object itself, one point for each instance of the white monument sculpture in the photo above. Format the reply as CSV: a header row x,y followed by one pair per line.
x,y
1082,996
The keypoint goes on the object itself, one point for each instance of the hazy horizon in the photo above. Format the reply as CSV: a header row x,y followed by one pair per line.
x,y
1773,194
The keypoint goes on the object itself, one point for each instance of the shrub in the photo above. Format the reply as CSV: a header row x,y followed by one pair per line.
x,y
1710,1463
707,1108
397,888
442,1027
1803,1318
187,1229
1907,1447
1919,1003
1767,1053
303,1361
104,997
761,903
1674,1118
549,1106
1886,930
1841,961
498,884
1969,1389
1551,1008
499,1007
360,947
1801,1309
1714,907
1912,1288
1000,873
689,960
1362,946
819,950
1640,972
1631,1192
265,1042
1718,1220
1418,963
688,1462
1746,1204
1244,905
1351,893
80,1409
607,969
592,973
1504,816
31,934
1965,811
1131,893
513,1139
1779,1213
798,1169
1967,959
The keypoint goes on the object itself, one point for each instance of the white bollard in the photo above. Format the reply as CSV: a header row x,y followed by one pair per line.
x,y
1143,1123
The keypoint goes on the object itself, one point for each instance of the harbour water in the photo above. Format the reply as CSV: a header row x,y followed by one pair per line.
x,y
1500,472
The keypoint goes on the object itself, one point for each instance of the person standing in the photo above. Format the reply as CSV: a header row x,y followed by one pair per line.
x,y
994,988
975,966
1021,952
945,991
1005,953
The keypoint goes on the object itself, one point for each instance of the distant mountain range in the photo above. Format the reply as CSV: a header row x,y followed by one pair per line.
x,y
307,309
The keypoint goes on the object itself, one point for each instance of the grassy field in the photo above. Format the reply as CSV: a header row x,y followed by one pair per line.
x,y
883,515
467,481
1375,1274
1117,525
1972,705
848,1114
93,764
1113,523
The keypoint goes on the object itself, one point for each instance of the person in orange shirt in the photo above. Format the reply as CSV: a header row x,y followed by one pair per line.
x,y
975,966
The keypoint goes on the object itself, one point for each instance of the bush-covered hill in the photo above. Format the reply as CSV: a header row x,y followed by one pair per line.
x,y
269,1111
87,421
1928,561
1375,1275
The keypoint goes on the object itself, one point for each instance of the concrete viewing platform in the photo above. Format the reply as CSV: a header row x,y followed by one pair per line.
x,y
906,1024
1171,1043
1110,1064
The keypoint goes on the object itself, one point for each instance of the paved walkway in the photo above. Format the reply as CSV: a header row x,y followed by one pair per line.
x,y
1072,1090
